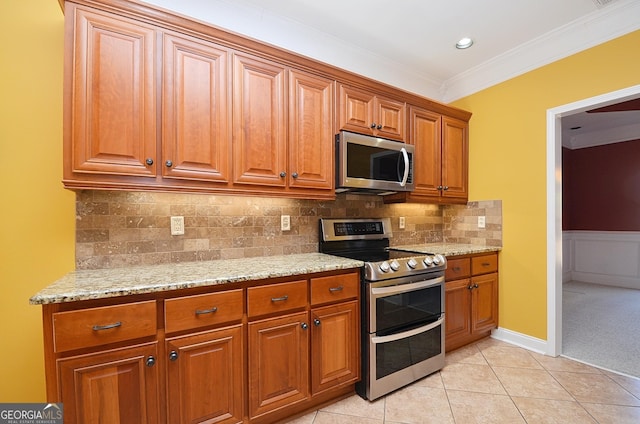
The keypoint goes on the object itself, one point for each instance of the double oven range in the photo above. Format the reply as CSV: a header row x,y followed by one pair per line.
x,y
402,304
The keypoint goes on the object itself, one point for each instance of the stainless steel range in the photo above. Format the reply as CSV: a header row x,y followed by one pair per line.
x,y
403,304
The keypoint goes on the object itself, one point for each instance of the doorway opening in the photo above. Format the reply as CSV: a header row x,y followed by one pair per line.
x,y
554,205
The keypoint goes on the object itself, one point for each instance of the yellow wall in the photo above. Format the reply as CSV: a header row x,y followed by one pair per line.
x,y
508,162
508,149
37,214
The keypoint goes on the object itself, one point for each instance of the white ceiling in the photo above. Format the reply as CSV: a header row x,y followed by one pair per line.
x,y
411,43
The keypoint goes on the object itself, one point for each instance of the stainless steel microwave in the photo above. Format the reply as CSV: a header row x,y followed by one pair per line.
x,y
371,164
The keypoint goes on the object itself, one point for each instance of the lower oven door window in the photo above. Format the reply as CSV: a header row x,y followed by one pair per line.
x,y
401,351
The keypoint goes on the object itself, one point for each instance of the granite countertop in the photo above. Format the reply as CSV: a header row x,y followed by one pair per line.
x,y
449,249
104,283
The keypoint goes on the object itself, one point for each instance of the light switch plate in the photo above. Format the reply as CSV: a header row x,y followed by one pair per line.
x,y
401,223
481,222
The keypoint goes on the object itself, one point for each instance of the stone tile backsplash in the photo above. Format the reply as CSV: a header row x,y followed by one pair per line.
x,y
116,228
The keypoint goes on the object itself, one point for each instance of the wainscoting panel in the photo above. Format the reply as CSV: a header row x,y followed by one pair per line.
x,y
602,257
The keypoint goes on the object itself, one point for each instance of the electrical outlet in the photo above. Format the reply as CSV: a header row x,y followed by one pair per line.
x,y
177,225
401,223
285,222
481,222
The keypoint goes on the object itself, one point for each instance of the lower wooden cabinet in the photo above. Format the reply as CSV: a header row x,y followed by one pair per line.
x,y
205,377
116,386
334,346
278,363
471,299
284,351
251,354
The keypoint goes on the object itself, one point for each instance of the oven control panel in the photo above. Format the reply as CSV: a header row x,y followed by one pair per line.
x,y
404,267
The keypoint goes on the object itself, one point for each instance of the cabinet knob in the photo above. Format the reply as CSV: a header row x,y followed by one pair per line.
x,y
316,322
304,325
151,361
373,125
149,161
439,187
294,175
283,174
445,188
379,126
475,286
168,164
470,287
173,355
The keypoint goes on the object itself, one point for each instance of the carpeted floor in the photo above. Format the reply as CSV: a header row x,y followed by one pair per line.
x,y
601,326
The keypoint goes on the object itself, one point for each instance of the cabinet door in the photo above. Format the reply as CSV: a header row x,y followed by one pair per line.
x,y
196,132
117,386
457,313
278,363
334,346
259,122
390,119
205,377
113,100
356,110
484,303
426,133
455,158
311,131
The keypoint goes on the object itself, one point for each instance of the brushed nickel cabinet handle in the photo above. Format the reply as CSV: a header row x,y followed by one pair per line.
x,y
336,289
206,311
107,326
280,299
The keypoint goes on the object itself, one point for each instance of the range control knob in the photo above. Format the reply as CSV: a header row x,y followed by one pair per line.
x,y
412,263
395,265
428,261
384,266
438,259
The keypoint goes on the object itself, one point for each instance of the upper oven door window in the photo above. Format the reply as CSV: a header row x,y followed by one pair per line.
x,y
401,307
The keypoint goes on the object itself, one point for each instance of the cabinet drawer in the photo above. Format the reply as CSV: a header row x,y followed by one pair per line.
x,y
276,298
457,268
334,288
190,312
99,326
484,264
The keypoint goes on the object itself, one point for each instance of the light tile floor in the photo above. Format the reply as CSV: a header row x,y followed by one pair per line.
x,y
496,382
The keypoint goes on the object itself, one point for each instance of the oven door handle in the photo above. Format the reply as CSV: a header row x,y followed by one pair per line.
x,y
405,334
403,288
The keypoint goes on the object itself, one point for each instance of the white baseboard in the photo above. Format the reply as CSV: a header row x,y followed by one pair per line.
x,y
521,340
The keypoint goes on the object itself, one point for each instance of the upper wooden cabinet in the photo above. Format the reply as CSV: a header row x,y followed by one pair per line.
x,y
367,113
441,166
311,132
110,111
196,132
259,122
268,153
157,101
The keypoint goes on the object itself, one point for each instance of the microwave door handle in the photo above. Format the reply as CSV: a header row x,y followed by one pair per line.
x,y
405,177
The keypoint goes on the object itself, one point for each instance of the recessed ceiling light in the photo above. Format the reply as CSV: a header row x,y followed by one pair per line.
x,y
464,43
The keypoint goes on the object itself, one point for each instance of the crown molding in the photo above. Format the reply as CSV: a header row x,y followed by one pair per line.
x,y
605,24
